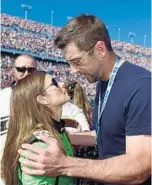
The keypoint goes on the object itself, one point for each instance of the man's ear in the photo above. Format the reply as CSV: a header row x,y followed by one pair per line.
x,y
101,48
41,99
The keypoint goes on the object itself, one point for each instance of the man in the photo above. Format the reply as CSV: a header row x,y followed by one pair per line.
x,y
121,111
23,65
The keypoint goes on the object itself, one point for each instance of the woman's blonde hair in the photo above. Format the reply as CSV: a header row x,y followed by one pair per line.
x,y
80,99
26,116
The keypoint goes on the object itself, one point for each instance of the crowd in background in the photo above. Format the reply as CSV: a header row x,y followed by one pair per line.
x,y
35,38
60,71
28,25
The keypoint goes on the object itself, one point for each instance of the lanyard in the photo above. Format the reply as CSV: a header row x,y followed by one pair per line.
x,y
117,65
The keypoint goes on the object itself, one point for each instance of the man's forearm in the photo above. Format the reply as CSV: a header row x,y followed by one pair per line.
x,y
123,169
83,138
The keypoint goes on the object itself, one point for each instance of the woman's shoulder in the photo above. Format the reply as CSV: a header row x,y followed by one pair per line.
x,y
35,137
35,140
41,132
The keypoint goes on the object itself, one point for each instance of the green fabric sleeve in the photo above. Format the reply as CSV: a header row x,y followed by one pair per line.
x,y
25,179
35,180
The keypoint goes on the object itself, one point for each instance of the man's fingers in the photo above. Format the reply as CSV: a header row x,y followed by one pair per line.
x,y
33,171
32,156
33,148
31,164
39,172
41,151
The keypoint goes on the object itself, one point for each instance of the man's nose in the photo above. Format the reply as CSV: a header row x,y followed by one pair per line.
x,y
26,73
73,69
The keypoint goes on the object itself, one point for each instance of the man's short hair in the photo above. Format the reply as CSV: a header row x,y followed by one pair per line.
x,y
85,31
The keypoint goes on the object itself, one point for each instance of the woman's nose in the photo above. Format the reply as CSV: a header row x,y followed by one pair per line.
x,y
62,84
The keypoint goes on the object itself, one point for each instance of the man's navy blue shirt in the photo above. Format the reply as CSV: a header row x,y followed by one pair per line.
x,y
127,111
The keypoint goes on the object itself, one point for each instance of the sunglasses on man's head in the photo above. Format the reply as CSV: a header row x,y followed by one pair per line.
x,y
24,69
54,82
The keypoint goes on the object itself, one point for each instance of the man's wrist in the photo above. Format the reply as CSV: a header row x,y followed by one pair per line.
x,y
73,166
65,165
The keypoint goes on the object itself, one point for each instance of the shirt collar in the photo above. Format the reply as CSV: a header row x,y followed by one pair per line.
x,y
59,126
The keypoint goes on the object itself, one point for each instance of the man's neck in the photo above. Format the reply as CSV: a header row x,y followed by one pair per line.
x,y
108,67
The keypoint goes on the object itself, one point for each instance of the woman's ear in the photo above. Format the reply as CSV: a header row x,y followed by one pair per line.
x,y
41,99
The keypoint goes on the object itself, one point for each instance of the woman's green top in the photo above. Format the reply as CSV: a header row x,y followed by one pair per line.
x,y
25,179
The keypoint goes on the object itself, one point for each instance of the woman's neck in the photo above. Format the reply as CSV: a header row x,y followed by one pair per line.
x,y
57,112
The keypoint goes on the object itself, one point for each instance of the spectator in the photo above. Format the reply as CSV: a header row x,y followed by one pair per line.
x,y
74,111
23,65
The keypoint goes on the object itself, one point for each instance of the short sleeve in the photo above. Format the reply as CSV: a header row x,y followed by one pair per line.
x,y
36,180
138,108
82,120
71,111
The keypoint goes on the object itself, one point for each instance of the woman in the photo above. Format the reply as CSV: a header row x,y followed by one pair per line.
x,y
78,109
36,108
80,99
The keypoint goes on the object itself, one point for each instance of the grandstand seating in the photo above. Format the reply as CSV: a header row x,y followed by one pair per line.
x,y
19,36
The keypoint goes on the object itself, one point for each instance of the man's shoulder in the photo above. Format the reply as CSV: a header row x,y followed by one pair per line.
x,y
131,74
6,91
135,70
5,95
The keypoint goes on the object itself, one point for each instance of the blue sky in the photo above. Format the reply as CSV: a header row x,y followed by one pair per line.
x,y
129,16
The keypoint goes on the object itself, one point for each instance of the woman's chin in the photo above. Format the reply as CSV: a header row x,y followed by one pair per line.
x,y
68,98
